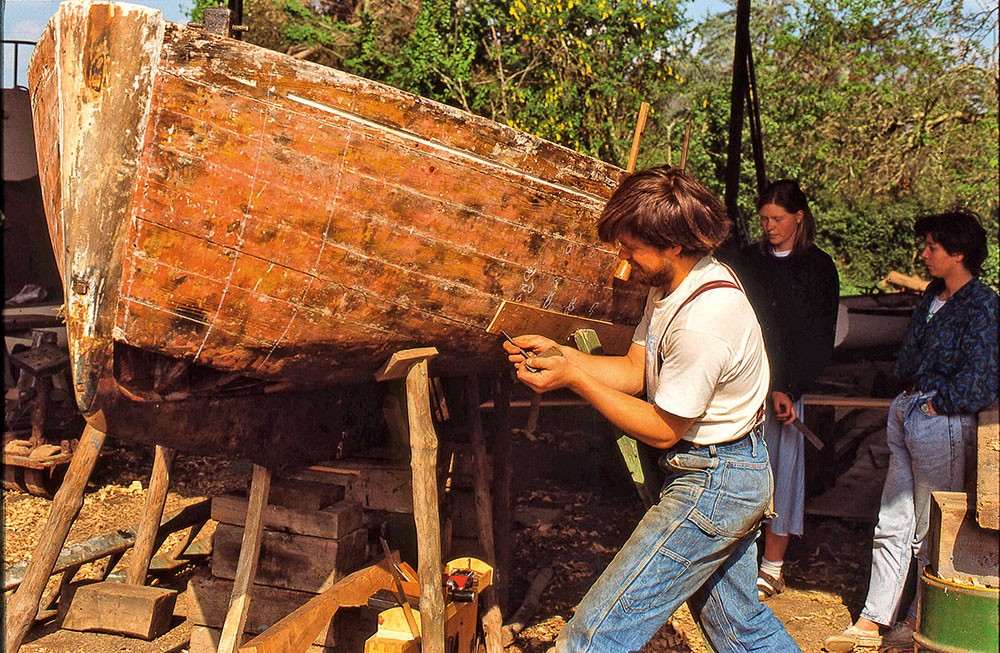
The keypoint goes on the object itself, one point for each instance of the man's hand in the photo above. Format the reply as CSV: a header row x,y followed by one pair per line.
x,y
545,368
784,408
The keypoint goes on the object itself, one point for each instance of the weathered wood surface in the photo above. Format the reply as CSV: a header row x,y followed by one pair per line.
x,y
988,468
959,549
121,608
298,562
375,484
208,601
23,605
239,211
330,522
246,566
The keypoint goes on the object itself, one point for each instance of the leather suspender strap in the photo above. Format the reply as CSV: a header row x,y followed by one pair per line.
x,y
711,285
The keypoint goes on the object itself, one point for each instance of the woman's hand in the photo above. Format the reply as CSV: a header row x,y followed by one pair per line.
x,y
784,407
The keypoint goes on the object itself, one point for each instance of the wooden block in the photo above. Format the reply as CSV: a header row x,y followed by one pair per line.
x,y
296,562
988,469
960,550
208,602
376,485
331,522
132,610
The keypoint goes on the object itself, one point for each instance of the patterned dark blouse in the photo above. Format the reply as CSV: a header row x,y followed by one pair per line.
x,y
954,352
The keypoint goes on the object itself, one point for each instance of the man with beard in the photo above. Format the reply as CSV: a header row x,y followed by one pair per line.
x,y
699,356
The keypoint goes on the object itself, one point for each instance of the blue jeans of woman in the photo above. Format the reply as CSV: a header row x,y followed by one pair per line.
x,y
697,545
927,453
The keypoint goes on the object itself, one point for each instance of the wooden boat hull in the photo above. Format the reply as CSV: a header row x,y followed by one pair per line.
x,y
229,220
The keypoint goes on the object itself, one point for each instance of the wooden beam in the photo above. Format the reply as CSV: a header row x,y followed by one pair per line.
x,y
246,569
65,507
152,513
481,478
411,365
300,628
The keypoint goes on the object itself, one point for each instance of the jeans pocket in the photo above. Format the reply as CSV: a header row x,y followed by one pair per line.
x,y
738,497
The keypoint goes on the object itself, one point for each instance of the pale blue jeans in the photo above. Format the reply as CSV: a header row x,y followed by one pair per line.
x,y
927,453
696,545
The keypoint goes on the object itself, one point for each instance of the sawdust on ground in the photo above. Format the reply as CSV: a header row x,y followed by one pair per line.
x,y
575,508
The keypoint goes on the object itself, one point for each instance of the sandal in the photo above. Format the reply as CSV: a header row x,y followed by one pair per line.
x,y
850,639
768,585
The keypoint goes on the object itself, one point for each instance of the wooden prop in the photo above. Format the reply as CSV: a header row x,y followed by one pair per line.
x,y
152,513
516,319
503,463
411,365
624,269
246,568
492,619
684,148
65,507
131,609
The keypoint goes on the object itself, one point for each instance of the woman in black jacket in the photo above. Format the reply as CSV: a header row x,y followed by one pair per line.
x,y
794,287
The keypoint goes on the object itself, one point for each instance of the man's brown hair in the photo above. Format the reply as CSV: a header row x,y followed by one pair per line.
x,y
665,207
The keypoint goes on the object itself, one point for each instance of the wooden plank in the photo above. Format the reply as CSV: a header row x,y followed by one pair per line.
x,y
120,608
518,319
988,468
846,402
246,568
65,507
208,601
289,561
330,522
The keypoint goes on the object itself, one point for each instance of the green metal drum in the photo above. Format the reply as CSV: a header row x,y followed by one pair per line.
x,y
954,617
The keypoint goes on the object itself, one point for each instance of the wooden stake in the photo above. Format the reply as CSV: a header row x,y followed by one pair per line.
x,y
492,619
640,125
246,568
152,513
412,366
65,507
503,463
684,149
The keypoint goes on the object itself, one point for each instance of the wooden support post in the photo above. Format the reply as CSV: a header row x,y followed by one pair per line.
x,y
65,507
492,619
503,463
411,365
246,568
152,513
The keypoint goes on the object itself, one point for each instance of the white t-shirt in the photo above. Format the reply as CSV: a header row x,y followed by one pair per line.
x,y
714,366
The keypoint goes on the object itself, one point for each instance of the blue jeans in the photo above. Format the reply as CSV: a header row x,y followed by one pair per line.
x,y
927,453
697,544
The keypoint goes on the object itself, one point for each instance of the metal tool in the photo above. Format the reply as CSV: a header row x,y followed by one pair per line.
x,y
520,350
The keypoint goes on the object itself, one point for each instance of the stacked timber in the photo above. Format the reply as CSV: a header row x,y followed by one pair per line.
x,y
312,538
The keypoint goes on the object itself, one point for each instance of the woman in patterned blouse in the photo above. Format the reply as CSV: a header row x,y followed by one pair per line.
x,y
948,363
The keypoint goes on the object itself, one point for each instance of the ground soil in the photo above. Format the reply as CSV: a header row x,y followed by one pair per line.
x,y
575,507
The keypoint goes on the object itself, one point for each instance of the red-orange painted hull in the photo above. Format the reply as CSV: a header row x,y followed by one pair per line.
x,y
229,210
